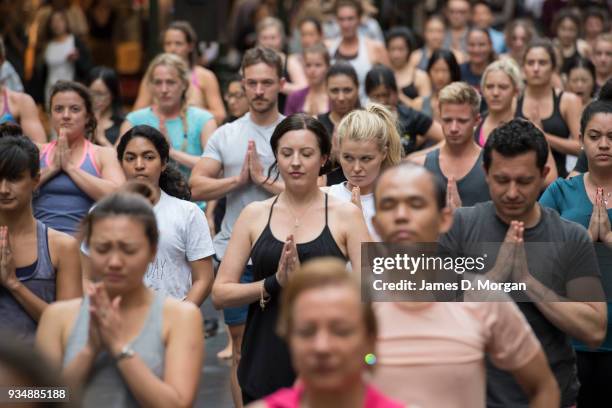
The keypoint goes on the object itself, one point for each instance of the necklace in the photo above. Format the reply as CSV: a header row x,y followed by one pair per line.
x,y
606,196
296,223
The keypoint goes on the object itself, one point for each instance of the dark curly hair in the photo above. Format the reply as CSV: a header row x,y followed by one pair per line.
x,y
514,138
171,179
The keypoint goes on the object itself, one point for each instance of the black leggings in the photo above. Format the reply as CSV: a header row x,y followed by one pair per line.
x,y
594,373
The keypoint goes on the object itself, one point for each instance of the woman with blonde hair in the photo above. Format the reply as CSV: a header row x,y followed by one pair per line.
x,y
368,142
500,85
187,128
320,295
181,39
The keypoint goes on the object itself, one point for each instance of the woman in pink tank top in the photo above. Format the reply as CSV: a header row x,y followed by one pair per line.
x,y
332,336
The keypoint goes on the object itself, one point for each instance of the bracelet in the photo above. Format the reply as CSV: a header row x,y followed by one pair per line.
x,y
262,300
272,286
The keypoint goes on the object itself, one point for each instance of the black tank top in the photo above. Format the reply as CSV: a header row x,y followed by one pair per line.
x,y
554,125
472,188
265,365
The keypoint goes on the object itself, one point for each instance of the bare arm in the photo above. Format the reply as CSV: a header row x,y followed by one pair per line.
x,y
552,172
110,179
144,98
204,183
182,367
227,289
49,343
29,120
207,131
69,280
538,382
435,132
298,78
201,280
585,321
212,95
422,83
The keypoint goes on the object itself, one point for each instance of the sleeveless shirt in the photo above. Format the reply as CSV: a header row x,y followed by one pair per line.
x,y
39,278
7,116
60,203
105,386
472,188
361,63
554,125
265,365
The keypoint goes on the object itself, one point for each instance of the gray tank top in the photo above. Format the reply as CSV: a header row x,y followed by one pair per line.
x,y
106,387
472,188
39,278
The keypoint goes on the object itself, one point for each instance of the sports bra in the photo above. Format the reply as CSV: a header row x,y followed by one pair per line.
x,y
7,116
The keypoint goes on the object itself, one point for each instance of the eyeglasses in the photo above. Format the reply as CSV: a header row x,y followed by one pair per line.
x,y
234,95
99,95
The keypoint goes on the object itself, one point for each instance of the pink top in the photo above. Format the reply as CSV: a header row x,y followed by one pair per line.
x,y
432,355
290,398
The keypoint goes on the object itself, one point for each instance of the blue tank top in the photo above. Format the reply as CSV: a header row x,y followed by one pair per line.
x,y
60,203
105,386
7,116
39,278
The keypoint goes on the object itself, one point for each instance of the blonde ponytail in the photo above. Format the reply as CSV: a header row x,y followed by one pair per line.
x,y
376,123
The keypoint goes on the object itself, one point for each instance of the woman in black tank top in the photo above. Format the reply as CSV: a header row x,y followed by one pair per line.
x,y
561,126
300,223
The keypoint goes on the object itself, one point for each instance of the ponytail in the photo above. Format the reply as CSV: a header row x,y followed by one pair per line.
x,y
173,183
391,134
375,123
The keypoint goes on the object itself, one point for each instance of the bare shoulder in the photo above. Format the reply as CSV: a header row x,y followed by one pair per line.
x,y
343,209
258,404
104,152
20,100
418,157
175,310
60,242
419,74
255,208
570,98
204,73
62,312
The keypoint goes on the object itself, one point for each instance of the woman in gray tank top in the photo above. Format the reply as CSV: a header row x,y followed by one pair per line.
x,y
37,265
124,344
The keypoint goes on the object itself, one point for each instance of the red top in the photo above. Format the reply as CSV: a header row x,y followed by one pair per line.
x,y
290,398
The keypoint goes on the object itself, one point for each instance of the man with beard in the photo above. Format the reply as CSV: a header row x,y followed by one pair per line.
x,y
431,354
234,165
555,258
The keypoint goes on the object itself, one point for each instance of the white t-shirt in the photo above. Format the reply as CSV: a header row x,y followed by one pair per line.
x,y
183,237
341,192
58,65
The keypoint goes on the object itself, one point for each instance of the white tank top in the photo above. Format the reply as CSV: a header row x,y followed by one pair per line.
x,y
361,63
341,192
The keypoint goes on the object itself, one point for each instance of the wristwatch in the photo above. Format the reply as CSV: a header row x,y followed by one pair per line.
x,y
126,352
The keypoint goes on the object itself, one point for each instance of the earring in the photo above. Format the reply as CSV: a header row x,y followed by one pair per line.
x,y
370,359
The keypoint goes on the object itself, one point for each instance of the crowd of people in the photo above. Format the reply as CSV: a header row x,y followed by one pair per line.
x,y
476,135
